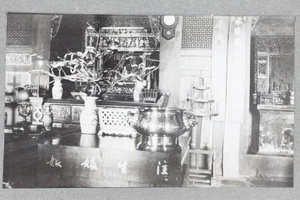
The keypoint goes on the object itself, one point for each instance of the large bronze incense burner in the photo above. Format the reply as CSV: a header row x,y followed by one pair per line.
x,y
161,127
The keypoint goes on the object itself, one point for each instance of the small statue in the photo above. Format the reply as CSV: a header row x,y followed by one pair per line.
x,y
147,43
128,44
141,43
104,43
133,44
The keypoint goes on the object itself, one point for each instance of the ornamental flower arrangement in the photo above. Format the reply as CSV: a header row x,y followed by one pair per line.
x,y
132,71
81,66
86,67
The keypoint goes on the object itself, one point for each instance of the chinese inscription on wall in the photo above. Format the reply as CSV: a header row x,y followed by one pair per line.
x,y
54,162
162,169
90,163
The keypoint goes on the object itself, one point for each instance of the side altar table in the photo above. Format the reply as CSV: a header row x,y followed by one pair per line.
x,y
79,160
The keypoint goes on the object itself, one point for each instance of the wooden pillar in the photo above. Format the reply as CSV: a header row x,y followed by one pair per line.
x,y
41,45
3,16
238,66
219,73
169,65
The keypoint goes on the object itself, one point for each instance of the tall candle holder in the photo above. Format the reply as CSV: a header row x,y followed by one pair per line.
x,y
202,105
202,147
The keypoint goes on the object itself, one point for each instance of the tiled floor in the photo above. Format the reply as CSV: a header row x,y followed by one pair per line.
x,y
30,181
256,182
246,182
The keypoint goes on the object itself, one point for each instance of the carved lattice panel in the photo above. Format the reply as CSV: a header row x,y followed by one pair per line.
x,y
18,59
197,32
19,29
114,121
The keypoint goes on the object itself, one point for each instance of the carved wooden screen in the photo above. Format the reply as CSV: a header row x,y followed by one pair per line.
x,y
273,68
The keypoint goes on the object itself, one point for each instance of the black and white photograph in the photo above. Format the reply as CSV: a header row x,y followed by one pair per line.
x,y
143,101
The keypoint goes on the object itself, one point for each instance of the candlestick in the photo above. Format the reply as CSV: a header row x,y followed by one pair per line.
x,y
40,63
